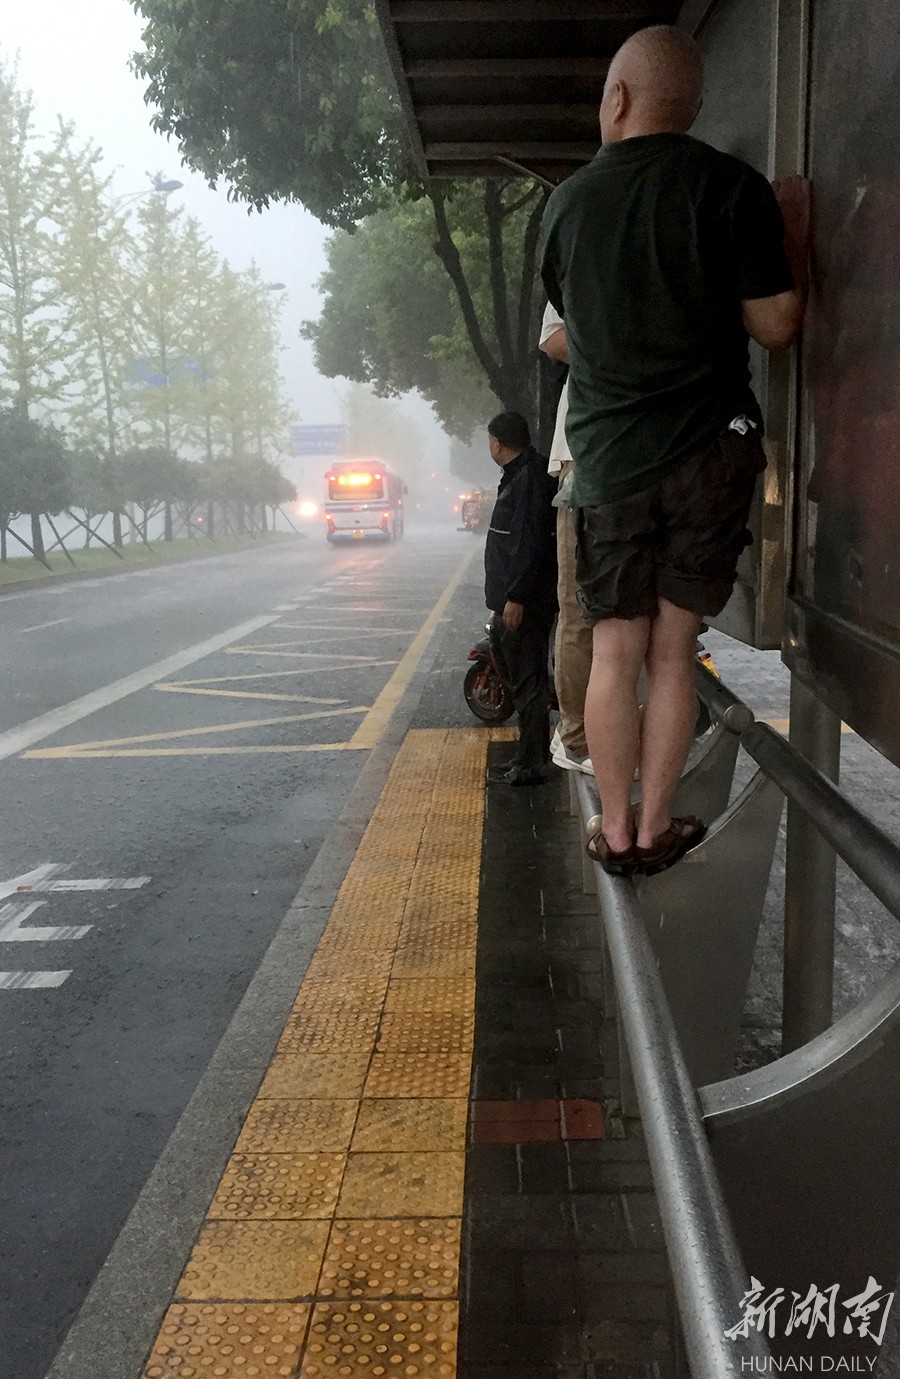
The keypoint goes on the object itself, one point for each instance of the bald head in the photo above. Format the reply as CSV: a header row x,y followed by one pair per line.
x,y
654,85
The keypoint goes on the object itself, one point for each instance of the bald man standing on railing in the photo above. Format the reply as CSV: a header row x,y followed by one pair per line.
x,y
662,256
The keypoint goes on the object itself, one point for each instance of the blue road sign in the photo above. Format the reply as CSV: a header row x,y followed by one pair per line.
x,y
317,440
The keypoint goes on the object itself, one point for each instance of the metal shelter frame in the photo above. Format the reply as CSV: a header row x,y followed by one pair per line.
x,y
812,1134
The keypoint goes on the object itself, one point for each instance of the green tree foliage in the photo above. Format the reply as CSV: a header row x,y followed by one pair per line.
x,y
289,100
94,250
35,475
285,99
34,335
390,319
395,318
251,419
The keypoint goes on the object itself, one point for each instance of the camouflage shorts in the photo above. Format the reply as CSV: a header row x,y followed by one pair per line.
x,y
679,539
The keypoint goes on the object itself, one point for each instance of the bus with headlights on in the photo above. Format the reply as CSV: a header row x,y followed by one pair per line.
x,y
364,500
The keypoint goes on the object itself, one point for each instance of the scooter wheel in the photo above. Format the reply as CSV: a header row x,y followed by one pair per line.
x,y
486,694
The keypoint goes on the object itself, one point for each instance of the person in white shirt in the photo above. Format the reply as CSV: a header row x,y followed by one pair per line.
x,y
573,636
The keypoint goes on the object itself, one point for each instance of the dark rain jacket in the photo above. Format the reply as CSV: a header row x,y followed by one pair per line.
x,y
520,552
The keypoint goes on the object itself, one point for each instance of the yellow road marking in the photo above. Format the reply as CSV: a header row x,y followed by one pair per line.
x,y
77,748
245,694
310,655
274,674
71,754
373,725
328,627
783,726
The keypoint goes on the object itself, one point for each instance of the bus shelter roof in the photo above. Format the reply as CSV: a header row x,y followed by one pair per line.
x,y
490,87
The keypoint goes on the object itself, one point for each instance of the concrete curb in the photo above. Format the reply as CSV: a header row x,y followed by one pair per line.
x,y
21,586
114,1330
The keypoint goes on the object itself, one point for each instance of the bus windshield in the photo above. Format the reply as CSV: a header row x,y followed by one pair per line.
x,y
365,484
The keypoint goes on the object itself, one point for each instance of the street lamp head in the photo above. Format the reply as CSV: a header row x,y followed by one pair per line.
x,y
275,287
172,185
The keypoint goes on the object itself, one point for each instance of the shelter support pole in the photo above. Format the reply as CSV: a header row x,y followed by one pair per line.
x,y
809,889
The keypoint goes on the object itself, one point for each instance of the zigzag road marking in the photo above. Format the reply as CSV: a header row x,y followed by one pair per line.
x,y
245,694
17,739
274,674
106,746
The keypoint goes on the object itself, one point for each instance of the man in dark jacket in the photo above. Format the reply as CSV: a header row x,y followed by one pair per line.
x,y
520,589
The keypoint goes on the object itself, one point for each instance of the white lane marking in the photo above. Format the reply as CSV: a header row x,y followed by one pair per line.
x,y
16,740
99,883
39,627
283,608
31,981
30,880
12,919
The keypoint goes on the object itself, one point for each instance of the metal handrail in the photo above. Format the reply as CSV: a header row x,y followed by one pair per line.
x,y
708,1273
868,851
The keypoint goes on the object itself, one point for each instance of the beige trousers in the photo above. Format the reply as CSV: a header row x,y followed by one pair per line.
x,y
574,638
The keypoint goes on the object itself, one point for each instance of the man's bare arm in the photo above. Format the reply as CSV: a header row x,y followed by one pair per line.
x,y
556,346
774,322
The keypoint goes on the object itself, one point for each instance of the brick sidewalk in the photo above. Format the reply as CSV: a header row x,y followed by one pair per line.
x,y
564,1270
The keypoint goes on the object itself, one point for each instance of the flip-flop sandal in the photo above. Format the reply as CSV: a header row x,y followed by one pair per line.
x,y
670,847
615,863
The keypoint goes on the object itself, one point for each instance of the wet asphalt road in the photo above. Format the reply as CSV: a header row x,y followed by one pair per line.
x,y
204,805
189,786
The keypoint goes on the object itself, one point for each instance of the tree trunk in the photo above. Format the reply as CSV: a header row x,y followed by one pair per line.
x,y
262,510
210,518
37,536
167,521
4,518
510,367
117,527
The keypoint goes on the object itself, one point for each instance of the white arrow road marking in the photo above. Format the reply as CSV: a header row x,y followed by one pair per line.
x,y
98,883
33,981
43,879
13,927
30,880
12,920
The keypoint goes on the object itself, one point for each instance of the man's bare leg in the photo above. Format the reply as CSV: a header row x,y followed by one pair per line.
x,y
612,720
670,711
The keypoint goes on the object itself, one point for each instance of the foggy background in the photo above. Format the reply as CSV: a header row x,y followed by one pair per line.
x,y
73,56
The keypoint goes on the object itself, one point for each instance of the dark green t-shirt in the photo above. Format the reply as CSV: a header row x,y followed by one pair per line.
x,y
648,253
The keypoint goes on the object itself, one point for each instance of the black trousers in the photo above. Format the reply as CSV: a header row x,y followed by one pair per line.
x,y
523,654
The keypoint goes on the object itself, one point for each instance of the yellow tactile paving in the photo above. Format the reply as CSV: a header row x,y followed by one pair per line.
x,y
328,963
331,1246
423,962
415,1340
419,1075
310,1075
300,1127
229,1339
352,996
425,1184
451,994
426,927
426,1032
412,1123
383,1259
279,1187
259,1261
318,1032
